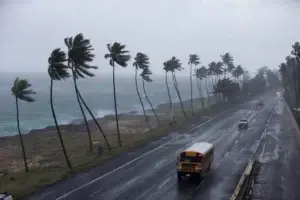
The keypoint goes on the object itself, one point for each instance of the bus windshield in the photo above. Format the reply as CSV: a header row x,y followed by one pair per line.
x,y
184,158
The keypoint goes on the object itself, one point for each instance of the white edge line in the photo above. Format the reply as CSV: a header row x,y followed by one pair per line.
x,y
138,158
132,180
165,182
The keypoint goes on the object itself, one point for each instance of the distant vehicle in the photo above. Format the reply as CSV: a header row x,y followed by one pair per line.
x,y
243,123
195,160
261,103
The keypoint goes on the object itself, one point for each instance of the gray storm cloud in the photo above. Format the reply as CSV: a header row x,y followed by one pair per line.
x,y
256,32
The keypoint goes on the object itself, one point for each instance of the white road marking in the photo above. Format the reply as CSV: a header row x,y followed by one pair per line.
x,y
136,159
132,180
165,182
199,185
159,163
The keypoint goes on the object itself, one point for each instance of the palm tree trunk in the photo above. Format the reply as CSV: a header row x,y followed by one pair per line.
x,y
95,120
116,108
82,111
207,91
153,110
138,93
57,126
200,93
21,138
178,94
170,99
191,82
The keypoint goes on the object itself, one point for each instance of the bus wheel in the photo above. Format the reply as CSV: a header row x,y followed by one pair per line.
x,y
179,177
209,167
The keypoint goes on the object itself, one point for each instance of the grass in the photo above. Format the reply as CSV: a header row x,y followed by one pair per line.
x,y
46,161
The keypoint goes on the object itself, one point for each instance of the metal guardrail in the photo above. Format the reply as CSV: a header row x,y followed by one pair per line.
x,y
244,183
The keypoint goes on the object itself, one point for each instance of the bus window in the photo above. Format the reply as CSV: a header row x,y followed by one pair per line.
x,y
184,158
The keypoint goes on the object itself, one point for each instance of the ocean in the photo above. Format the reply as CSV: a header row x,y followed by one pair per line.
x,y
96,91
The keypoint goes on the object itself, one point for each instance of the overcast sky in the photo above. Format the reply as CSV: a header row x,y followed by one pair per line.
x,y
255,32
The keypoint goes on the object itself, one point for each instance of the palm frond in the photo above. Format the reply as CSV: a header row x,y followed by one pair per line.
x,y
141,61
80,54
194,59
146,74
117,54
21,90
57,68
27,98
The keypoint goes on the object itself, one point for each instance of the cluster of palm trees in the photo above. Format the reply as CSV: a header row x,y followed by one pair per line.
x,y
76,62
290,74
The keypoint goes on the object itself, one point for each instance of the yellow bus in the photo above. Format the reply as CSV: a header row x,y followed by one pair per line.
x,y
195,160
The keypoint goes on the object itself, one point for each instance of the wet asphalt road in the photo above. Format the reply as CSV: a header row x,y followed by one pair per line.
x,y
279,175
153,176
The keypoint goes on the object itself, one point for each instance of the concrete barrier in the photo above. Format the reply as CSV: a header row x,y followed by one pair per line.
x,y
243,185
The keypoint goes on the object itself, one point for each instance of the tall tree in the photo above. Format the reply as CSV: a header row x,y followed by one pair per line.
x,y
79,57
205,75
117,54
141,61
58,71
21,91
176,66
167,68
201,74
238,72
199,79
227,59
193,60
146,78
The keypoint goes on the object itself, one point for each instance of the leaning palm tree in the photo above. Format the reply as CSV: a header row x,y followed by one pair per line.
x,y
198,78
58,70
21,90
227,60
167,68
79,56
146,78
141,62
205,74
175,65
193,60
238,72
117,54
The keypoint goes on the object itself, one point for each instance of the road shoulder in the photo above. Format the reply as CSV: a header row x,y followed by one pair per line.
x,y
279,173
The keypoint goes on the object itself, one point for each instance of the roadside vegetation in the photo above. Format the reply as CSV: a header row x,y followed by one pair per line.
x,y
218,82
290,78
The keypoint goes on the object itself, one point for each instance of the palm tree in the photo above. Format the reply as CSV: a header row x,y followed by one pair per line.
x,y
167,68
227,60
57,70
205,75
198,77
21,90
219,69
201,73
79,56
193,60
146,77
230,68
175,65
238,72
141,62
117,54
